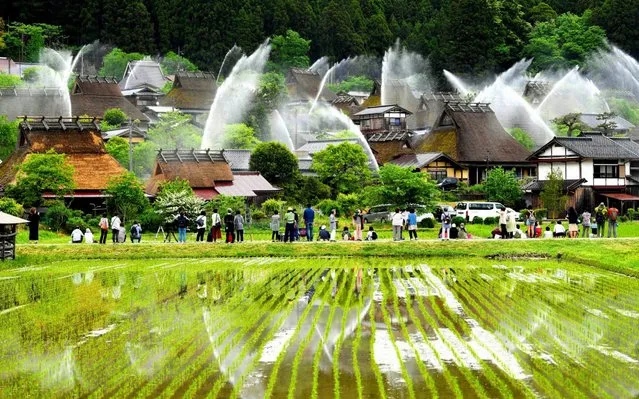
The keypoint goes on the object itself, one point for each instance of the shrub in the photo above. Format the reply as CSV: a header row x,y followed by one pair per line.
x,y
541,213
348,203
478,220
325,206
151,220
631,214
624,218
458,220
75,221
427,223
258,215
490,221
56,215
271,205
11,206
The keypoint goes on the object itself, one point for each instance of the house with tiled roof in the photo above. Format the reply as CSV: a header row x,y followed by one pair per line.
x,y
437,164
192,93
209,174
143,73
16,102
619,125
471,135
303,85
346,103
595,168
384,127
93,95
81,142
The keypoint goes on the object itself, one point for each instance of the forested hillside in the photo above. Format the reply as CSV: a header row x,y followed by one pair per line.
x,y
464,36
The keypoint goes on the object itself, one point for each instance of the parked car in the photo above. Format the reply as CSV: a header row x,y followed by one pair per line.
x,y
440,208
448,183
379,213
469,210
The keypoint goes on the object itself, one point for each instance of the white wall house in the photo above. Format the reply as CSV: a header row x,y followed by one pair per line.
x,y
601,166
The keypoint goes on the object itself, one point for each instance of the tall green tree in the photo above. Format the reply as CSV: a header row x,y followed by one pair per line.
x,y
337,35
118,147
503,186
275,162
125,196
127,24
619,19
239,136
115,62
173,63
39,174
402,186
344,167
290,50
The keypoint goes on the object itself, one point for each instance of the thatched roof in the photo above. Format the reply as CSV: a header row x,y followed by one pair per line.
x,y
81,142
304,85
140,73
201,168
92,96
192,90
471,133
26,100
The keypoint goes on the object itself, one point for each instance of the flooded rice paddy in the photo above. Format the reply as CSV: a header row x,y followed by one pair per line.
x,y
321,328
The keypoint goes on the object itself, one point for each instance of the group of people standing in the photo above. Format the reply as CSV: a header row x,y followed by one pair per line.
x,y
118,231
292,230
233,224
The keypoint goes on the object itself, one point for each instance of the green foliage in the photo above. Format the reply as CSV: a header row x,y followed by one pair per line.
x,y
503,186
275,162
271,205
129,25
8,136
42,173
290,50
176,185
348,204
125,196
7,80
325,206
353,83
458,220
118,147
607,125
115,117
522,138
619,19
270,94
564,42
25,41
169,203
308,190
11,206
30,75
628,110
478,220
342,167
553,195
569,125
224,202
402,186
344,134
173,63
239,136
491,221
114,63
56,215
427,223
541,12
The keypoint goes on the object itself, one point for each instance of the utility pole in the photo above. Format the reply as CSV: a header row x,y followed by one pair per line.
x,y
130,145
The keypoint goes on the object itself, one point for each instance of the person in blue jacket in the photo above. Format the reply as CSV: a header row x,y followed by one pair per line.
x,y
412,224
309,219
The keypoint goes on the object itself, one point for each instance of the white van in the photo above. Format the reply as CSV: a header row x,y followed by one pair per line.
x,y
481,209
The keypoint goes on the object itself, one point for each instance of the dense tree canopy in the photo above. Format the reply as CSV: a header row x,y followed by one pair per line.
x,y
275,162
402,186
343,167
503,186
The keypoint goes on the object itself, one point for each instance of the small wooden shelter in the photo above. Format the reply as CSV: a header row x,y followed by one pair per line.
x,y
8,234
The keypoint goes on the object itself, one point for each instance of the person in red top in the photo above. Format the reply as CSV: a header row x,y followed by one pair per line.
x,y
613,213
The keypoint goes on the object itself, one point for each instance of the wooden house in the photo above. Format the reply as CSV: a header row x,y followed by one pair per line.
x,y
384,127
595,168
431,106
471,135
93,95
436,164
209,175
81,142
192,93
536,91
143,96
346,103
303,85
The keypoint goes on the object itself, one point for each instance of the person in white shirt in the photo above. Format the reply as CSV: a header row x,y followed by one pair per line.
x,y
76,236
518,233
502,223
216,226
398,223
547,233
115,228
559,230
104,229
88,236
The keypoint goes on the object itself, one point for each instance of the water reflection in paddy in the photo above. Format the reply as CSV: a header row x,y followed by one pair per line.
x,y
318,328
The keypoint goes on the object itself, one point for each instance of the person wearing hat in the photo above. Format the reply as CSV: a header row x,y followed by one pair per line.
x,y
324,235
229,226
453,233
289,229
601,214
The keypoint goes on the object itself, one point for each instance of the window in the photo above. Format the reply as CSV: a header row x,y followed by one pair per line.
x,y
438,175
606,169
480,206
446,121
395,121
